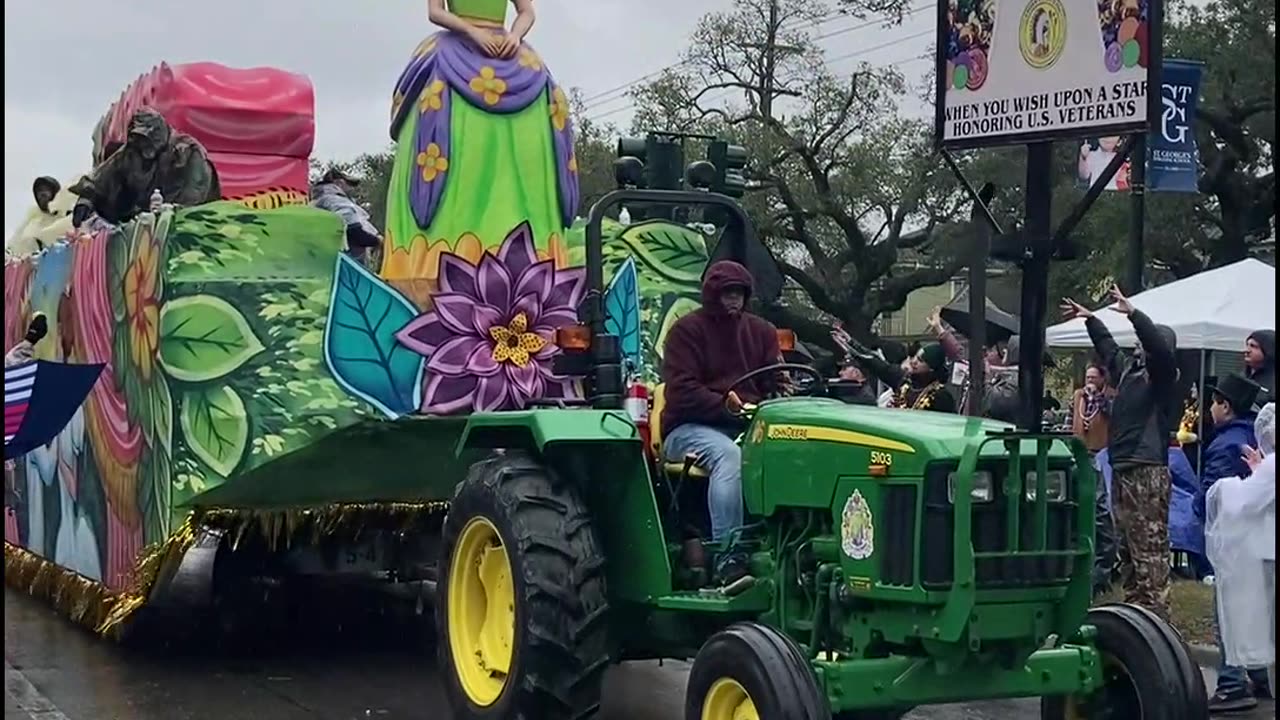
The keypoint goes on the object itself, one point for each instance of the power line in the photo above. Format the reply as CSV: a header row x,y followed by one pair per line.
x,y
595,102
839,58
598,98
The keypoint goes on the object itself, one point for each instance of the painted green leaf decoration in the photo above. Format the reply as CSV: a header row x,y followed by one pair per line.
x,y
676,253
622,311
117,266
215,426
155,494
161,413
678,309
203,337
120,355
360,345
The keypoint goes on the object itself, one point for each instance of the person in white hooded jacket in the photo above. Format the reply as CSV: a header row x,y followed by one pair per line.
x,y
1240,540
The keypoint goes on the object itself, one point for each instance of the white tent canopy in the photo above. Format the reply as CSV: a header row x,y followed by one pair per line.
x,y
1213,310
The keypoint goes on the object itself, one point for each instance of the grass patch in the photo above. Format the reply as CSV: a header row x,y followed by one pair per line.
x,y
1190,609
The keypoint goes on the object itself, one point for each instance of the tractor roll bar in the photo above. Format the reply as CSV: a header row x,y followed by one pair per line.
x,y
605,385
595,238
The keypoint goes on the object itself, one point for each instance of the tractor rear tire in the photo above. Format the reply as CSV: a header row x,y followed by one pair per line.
x,y
752,670
1148,672
533,598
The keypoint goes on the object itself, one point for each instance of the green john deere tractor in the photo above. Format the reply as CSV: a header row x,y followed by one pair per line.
x,y
897,558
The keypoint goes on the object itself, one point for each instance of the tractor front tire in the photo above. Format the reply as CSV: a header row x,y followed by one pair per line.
x,y
1148,673
750,670
521,606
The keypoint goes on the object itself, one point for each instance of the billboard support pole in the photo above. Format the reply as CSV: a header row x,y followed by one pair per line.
x,y
981,248
1137,221
1035,278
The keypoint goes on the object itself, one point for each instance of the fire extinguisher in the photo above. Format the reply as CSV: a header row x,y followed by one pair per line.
x,y
637,406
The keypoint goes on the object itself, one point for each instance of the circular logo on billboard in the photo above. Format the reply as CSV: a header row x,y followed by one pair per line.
x,y
1042,33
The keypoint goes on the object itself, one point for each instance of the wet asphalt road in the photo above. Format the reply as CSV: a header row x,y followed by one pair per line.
x,y
57,671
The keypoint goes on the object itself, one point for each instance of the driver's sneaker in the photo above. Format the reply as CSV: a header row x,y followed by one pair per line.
x,y
1233,701
730,568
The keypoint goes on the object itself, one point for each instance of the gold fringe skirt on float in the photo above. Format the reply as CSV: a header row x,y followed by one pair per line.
x,y
92,604
87,601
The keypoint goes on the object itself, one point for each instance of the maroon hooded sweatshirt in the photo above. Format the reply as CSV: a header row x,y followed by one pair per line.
x,y
708,349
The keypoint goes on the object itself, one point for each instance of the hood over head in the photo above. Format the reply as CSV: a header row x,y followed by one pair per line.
x,y
44,182
148,130
724,274
1266,340
1167,334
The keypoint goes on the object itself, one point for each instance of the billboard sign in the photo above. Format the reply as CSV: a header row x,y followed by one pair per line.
x,y
1016,71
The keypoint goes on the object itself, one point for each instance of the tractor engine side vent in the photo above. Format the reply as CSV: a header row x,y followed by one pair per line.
x,y
898,510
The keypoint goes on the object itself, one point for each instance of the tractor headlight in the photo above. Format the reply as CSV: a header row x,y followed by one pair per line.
x,y
1055,485
982,490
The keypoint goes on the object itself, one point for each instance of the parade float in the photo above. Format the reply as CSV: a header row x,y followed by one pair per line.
x,y
462,426
240,342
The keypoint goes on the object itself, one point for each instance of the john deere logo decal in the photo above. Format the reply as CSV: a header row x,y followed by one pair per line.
x,y
1042,33
857,528
757,434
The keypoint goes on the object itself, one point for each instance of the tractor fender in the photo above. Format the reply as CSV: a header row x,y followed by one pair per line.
x,y
536,429
603,453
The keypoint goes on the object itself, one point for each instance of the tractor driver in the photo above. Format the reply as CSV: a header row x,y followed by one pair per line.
x,y
705,352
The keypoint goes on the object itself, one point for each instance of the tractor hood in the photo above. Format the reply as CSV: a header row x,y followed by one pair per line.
x,y
921,433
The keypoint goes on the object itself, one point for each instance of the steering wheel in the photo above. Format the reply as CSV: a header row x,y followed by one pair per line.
x,y
817,385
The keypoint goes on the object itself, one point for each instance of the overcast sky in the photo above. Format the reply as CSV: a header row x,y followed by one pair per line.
x,y
66,61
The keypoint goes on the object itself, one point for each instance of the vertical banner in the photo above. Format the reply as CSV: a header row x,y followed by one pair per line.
x,y
1173,161
1016,71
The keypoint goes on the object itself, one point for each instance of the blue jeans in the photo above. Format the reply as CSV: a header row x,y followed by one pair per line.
x,y
721,457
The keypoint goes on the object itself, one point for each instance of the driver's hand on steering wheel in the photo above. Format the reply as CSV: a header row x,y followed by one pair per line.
x,y
733,403
786,386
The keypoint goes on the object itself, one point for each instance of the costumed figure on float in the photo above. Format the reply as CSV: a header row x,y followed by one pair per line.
x,y
484,162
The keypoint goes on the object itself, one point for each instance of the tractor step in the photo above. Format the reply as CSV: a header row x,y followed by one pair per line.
x,y
755,599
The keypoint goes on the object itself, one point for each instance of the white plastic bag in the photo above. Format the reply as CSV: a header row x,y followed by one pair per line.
x,y
1240,542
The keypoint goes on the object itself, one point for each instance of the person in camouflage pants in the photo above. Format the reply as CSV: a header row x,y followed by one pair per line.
x,y
1140,510
1143,415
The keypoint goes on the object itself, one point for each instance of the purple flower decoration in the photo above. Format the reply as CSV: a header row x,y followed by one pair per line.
x,y
490,338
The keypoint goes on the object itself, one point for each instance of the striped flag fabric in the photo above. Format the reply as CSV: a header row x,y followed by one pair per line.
x,y
18,384
40,398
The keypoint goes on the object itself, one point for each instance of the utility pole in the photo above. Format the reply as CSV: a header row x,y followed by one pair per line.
x,y
1138,215
770,49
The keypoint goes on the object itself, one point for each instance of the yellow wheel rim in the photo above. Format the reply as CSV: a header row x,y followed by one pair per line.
x,y
482,612
728,700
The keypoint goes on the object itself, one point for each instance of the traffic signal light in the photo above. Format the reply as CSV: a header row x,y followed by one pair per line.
x,y
730,162
661,157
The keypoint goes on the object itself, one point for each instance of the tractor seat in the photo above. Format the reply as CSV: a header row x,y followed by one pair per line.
x,y
678,469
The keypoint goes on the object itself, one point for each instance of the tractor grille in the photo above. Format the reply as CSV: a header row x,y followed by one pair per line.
x,y
897,562
989,525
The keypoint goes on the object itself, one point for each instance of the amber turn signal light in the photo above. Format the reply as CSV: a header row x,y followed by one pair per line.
x,y
573,337
786,340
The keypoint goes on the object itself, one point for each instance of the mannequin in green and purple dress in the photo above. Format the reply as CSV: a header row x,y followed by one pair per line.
x,y
484,143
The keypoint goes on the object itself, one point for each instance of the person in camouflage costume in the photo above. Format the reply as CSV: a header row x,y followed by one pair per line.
x,y
1142,421
153,157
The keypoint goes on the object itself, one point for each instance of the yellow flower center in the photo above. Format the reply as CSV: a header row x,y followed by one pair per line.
x,y
514,343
